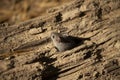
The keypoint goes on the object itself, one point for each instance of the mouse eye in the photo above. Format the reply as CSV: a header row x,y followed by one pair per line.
x,y
53,36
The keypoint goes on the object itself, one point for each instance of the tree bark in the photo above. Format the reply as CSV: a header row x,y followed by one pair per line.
x,y
27,52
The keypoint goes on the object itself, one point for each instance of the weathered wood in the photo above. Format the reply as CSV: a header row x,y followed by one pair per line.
x,y
26,51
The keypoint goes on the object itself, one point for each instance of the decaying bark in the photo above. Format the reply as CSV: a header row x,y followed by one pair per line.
x,y
27,53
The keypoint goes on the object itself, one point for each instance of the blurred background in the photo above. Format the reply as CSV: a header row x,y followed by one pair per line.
x,y
15,11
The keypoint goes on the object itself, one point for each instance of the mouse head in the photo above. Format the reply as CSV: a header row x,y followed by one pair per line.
x,y
56,37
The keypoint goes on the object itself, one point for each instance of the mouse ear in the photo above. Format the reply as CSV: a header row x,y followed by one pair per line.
x,y
58,39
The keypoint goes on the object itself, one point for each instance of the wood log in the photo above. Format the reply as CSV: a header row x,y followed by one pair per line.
x,y
27,53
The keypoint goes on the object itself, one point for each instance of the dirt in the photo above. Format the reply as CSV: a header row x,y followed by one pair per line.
x,y
27,52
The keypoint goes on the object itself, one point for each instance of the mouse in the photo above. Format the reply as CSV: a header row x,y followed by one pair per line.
x,y
62,42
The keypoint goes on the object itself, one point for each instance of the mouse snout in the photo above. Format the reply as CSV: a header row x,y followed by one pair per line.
x,y
52,36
